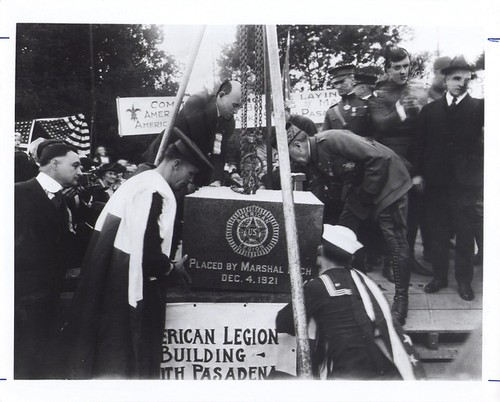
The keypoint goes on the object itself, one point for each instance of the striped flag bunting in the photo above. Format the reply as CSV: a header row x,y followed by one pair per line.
x,y
24,128
73,130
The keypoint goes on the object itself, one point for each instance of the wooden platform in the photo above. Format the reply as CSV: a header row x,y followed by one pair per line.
x,y
439,323
444,311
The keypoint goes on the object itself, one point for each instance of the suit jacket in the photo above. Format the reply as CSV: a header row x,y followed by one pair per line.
x,y
450,147
199,121
373,176
41,236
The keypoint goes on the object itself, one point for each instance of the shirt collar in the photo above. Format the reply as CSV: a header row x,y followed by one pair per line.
x,y
449,98
217,107
312,148
48,183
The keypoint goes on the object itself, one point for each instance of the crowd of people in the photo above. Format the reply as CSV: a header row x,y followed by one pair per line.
x,y
390,158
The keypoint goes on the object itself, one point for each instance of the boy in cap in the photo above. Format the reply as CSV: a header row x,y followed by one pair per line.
x,y
351,113
356,337
119,306
449,170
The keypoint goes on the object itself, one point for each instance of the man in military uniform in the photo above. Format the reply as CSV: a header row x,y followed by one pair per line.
x,y
351,113
394,109
373,183
302,122
364,85
352,319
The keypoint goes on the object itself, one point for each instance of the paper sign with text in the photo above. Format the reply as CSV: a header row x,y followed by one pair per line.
x,y
150,115
225,341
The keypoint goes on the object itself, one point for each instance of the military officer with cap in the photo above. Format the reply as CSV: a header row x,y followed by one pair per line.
x,y
364,85
351,113
356,337
373,184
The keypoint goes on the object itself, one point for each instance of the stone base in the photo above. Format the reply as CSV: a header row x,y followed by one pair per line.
x,y
238,242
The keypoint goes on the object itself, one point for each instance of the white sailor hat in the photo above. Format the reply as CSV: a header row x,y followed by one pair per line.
x,y
339,241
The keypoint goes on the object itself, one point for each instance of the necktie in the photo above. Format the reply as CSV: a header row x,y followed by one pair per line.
x,y
453,105
62,208
57,200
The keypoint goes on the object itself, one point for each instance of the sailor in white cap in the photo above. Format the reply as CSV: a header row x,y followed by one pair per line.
x,y
356,337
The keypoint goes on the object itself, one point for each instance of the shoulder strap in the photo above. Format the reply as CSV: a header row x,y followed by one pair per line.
x,y
337,112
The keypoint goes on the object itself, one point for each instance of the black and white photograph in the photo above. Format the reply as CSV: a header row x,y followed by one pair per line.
x,y
250,207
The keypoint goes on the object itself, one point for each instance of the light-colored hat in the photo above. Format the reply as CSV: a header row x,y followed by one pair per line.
x,y
339,239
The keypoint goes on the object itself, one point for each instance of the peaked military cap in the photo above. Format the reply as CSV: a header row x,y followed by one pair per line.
x,y
340,71
367,79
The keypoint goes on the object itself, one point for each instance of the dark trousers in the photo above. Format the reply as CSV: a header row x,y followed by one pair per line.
x,y
392,223
453,209
36,339
416,220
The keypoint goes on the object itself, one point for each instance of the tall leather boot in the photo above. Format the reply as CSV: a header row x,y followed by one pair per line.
x,y
387,269
402,282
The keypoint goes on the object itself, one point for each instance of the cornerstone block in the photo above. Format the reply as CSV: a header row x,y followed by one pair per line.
x,y
238,242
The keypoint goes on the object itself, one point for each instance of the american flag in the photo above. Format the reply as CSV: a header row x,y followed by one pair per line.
x,y
24,128
73,130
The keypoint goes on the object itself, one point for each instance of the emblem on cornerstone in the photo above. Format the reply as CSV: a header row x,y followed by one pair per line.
x,y
252,231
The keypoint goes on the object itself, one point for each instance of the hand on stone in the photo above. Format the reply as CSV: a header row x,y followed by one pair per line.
x,y
181,276
216,183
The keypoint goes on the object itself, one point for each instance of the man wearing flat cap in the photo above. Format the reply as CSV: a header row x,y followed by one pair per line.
x,y
374,184
42,234
351,113
118,318
356,337
449,170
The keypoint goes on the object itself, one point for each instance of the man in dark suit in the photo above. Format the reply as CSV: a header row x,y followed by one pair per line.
x,y
450,171
42,232
208,121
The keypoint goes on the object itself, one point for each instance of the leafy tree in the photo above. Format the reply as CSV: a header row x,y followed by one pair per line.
x,y
419,64
316,48
479,64
53,75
